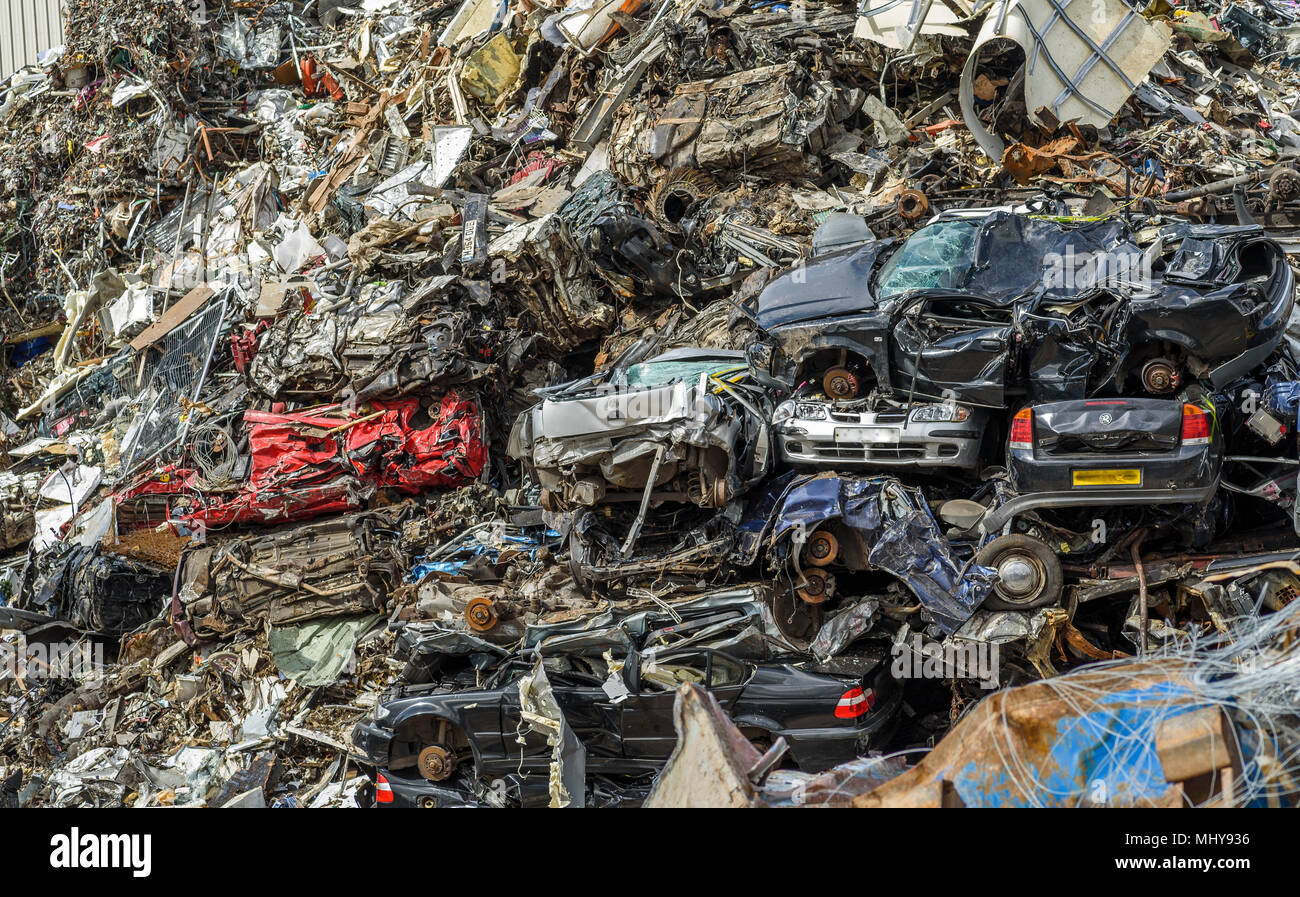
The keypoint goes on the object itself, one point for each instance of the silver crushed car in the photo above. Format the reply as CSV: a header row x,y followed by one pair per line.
x,y
818,433
682,426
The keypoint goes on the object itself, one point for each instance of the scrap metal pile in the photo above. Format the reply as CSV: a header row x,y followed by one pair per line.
x,y
482,403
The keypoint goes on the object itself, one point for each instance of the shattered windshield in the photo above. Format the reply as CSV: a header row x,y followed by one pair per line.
x,y
937,256
660,373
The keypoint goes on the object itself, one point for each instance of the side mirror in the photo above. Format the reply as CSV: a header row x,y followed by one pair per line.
x,y
766,364
961,513
760,356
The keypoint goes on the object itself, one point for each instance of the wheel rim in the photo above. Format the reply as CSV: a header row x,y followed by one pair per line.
x,y
1160,376
816,587
822,549
480,614
719,494
1021,577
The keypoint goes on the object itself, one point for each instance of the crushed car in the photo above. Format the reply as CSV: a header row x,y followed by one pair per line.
x,y
297,573
421,735
826,523
684,426
992,307
300,465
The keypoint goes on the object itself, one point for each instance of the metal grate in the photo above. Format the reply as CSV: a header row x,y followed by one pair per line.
x,y
180,374
114,380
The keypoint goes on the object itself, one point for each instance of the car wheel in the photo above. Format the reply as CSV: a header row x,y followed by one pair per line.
x,y
797,620
1029,573
719,493
436,763
481,614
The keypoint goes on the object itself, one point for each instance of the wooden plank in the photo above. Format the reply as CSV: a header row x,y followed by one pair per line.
x,y
173,317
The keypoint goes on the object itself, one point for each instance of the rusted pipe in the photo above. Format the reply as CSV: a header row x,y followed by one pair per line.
x,y
1136,552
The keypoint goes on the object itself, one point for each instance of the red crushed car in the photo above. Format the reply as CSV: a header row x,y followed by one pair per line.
x,y
305,464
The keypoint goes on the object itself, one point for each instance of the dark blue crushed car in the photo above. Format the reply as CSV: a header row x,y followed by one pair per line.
x,y
827,522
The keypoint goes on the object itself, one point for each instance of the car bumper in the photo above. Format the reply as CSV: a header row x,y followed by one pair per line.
x,y
1189,467
816,750
1187,476
866,444
419,793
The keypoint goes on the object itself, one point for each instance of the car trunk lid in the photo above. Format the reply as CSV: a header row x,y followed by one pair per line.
x,y
1108,426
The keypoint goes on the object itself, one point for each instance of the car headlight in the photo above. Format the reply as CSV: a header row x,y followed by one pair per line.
x,y
933,414
801,410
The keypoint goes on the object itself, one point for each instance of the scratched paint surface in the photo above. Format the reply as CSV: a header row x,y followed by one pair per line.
x,y
1108,754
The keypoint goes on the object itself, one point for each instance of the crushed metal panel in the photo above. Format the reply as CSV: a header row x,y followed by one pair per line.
x,y
1082,60
491,69
896,23
760,121
473,18
541,711
710,763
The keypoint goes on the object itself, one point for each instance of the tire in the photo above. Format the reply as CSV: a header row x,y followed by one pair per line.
x,y
1045,581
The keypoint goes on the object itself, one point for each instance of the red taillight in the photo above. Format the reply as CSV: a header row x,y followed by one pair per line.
x,y
854,703
1196,426
383,790
1022,429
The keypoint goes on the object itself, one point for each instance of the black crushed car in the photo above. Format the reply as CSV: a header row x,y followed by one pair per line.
x,y
996,308
93,590
1098,454
623,246
420,736
1122,451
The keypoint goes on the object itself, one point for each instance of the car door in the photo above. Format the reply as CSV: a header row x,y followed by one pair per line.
x,y
952,349
647,721
522,748
589,711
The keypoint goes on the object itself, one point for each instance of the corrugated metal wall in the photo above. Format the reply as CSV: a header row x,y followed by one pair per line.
x,y
26,28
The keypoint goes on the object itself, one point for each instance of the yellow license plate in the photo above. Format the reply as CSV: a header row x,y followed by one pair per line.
x,y
1127,477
